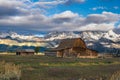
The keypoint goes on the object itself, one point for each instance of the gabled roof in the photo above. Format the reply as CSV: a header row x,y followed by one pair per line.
x,y
26,50
69,43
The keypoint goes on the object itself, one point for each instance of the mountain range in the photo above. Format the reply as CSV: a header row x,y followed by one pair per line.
x,y
101,41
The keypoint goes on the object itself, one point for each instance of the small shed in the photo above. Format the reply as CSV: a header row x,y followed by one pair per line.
x,y
75,47
25,52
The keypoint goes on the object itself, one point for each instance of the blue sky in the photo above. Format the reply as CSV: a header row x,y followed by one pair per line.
x,y
89,7
59,15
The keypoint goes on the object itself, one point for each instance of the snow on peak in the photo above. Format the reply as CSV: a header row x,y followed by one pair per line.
x,y
111,35
91,35
111,32
14,35
60,35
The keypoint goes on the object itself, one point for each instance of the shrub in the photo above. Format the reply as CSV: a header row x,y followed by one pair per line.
x,y
9,71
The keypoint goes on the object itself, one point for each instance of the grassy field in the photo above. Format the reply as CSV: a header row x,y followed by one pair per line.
x,y
52,68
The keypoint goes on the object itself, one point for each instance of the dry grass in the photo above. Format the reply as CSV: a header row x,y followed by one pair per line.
x,y
9,71
115,76
52,68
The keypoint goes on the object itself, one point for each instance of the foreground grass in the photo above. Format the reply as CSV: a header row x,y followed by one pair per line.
x,y
9,71
52,68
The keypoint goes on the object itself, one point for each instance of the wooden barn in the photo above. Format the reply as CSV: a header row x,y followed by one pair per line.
x,y
25,52
74,48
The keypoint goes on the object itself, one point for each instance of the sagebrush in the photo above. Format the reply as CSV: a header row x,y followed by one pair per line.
x,y
9,71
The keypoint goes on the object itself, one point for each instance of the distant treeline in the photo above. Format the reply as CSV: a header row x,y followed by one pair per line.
x,y
7,48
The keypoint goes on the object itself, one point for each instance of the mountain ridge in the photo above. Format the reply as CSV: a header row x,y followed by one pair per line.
x,y
102,41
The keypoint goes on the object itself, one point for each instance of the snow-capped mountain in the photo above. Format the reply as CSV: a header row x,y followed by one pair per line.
x,y
60,35
16,36
110,35
85,35
101,41
10,41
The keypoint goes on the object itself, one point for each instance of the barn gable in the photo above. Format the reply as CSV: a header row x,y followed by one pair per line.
x,y
74,48
68,43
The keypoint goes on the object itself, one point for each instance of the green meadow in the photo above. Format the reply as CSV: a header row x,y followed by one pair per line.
x,y
53,68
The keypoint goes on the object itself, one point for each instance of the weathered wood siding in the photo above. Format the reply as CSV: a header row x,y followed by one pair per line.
x,y
74,48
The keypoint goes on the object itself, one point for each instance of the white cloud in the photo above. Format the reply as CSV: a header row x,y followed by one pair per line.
x,y
105,17
22,14
10,3
116,7
99,8
49,2
79,1
66,14
104,8
66,21
101,27
74,1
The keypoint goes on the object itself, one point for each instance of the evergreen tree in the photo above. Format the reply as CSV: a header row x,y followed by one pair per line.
x,y
37,49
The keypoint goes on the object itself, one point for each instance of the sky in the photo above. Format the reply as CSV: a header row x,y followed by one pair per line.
x,y
59,15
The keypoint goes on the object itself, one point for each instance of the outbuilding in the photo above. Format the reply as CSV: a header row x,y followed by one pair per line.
x,y
25,52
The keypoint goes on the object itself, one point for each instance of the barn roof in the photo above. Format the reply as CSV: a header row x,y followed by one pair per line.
x,y
26,50
69,43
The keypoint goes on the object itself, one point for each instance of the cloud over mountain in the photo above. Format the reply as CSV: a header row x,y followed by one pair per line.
x,y
28,15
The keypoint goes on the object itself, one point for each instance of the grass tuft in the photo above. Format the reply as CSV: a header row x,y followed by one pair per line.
x,y
9,71
115,76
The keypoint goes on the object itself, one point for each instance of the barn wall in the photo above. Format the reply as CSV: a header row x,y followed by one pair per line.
x,y
50,53
24,53
77,52
60,53
66,53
